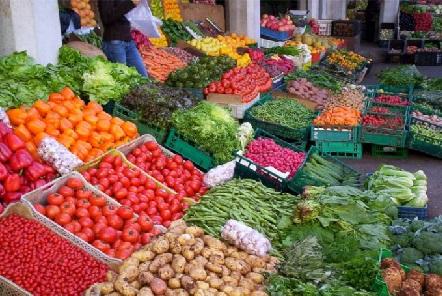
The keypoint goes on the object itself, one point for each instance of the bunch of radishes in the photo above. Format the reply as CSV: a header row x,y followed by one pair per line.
x,y
284,24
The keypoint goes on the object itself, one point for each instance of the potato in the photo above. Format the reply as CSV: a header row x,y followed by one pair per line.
x,y
202,285
255,261
188,253
187,283
203,292
257,278
171,237
179,292
214,291
130,274
145,292
214,243
247,284
131,261
122,286
135,284
176,248
159,261
236,275
158,286
215,282
217,259
177,226
230,281
227,289
214,267
114,294
195,231
198,246
243,255
166,272
226,271
144,255
145,278
186,239
105,288
160,245
200,260
174,283
258,293
237,292
233,264
230,250
111,276
178,263
258,269
221,294
198,274
144,266
206,252
245,268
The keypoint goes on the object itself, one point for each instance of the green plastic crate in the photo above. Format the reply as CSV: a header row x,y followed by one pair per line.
x,y
419,144
143,128
425,109
334,134
301,179
394,109
299,136
247,169
340,149
372,90
388,151
198,157
379,284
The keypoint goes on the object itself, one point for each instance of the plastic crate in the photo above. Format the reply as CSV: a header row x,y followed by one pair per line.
x,y
266,43
388,151
245,168
198,157
386,136
288,133
325,27
424,144
379,284
301,179
412,213
428,58
334,134
372,90
340,149
275,35
143,127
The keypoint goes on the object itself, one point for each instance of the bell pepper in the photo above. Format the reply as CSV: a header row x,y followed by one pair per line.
x,y
35,171
12,197
3,172
4,129
12,183
39,183
14,142
5,152
2,191
20,159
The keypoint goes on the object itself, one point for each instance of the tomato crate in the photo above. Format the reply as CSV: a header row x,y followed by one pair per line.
x,y
302,179
201,159
143,127
388,151
290,134
340,149
334,134
372,107
379,284
247,169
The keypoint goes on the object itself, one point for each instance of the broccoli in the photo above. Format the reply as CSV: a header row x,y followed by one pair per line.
x,y
416,225
403,240
428,242
436,265
410,255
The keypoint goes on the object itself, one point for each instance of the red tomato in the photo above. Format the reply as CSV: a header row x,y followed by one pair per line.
x,y
145,238
145,223
100,219
89,233
151,145
94,211
123,253
86,222
83,203
97,200
52,211
77,226
102,246
39,208
130,235
104,183
98,227
83,194
70,227
81,212
188,165
63,218
120,194
83,236
165,214
66,191
125,212
115,222
109,210
55,199
108,234
74,183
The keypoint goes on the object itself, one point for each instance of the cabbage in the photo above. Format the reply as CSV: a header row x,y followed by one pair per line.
x,y
419,201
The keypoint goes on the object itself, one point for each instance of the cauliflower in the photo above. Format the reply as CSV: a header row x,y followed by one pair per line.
x,y
410,255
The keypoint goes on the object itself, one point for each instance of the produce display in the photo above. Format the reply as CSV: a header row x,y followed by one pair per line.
x,y
160,63
404,188
346,61
200,73
61,268
185,261
132,188
383,123
277,65
21,171
391,100
156,103
112,229
285,112
423,131
171,170
434,119
338,117
160,41
175,30
206,125
84,10
349,96
401,76
183,55
283,24
139,39
304,89
267,153
156,6
86,130
171,10
247,82
320,79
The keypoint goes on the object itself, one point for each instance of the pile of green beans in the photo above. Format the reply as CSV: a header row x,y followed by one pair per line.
x,y
243,200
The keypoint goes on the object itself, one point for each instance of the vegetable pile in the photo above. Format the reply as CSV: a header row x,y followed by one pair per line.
x,y
391,100
304,89
160,63
171,10
183,55
139,38
338,117
383,123
156,103
175,30
425,132
20,171
185,261
404,188
285,112
277,65
401,76
267,153
345,61
61,267
211,128
86,130
133,188
318,78
349,97
434,119
171,170
114,230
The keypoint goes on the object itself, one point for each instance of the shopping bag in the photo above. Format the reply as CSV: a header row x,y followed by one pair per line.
x,y
141,18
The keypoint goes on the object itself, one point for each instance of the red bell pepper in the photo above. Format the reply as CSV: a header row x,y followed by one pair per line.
x,y
20,159
2,190
5,152
38,183
35,171
14,142
3,172
4,129
12,197
12,183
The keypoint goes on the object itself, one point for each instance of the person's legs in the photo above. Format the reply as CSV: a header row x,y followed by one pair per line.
x,y
134,58
115,51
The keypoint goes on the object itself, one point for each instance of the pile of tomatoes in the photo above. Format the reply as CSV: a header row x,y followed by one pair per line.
x,y
133,188
113,230
43,263
174,172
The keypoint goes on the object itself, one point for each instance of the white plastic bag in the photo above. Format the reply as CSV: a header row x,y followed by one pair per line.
x,y
141,18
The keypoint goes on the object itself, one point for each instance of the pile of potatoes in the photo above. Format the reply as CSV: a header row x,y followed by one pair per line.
x,y
183,262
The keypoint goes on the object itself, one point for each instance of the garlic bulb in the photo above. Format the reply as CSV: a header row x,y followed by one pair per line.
x,y
245,238
58,156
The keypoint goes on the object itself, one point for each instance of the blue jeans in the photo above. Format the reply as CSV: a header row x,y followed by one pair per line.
x,y
124,52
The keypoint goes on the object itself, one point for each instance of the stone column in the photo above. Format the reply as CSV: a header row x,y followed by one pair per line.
x,y
31,25
244,17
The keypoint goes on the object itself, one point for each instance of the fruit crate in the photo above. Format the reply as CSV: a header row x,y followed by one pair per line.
x,y
340,149
247,169
412,213
388,151
143,127
288,133
379,284
301,179
334,134
275,35
373,90
325,27
201,159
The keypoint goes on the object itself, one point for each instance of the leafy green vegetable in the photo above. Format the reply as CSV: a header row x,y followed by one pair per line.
x,y
211,128
175,30
91,38
403,75
360,270
319,78
283,50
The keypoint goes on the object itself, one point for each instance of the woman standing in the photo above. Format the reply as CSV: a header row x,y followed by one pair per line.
x,y
118,45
